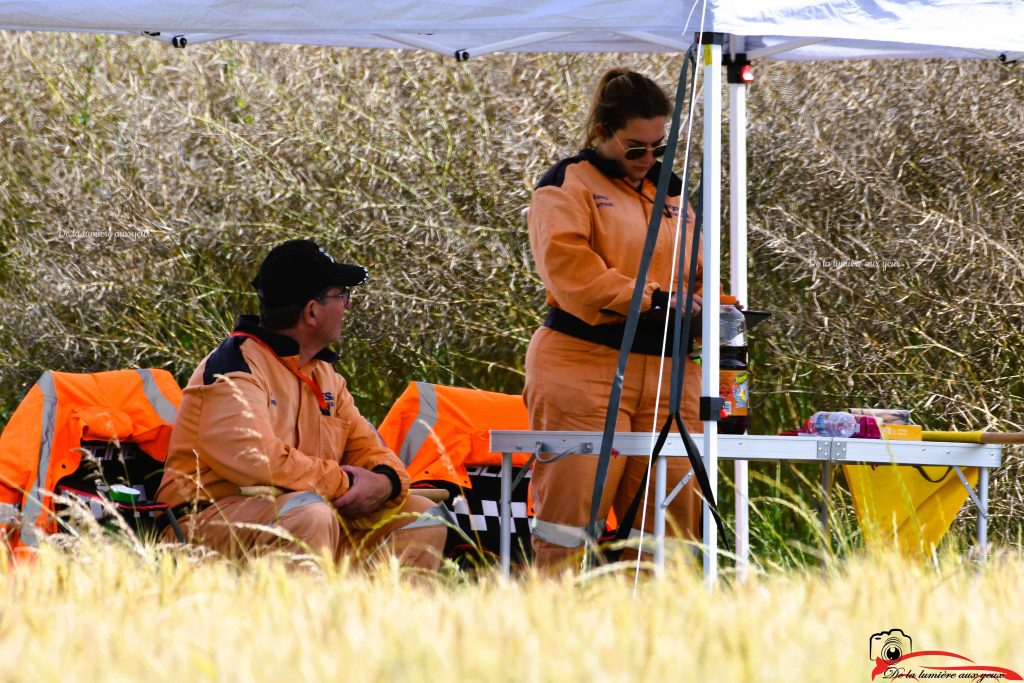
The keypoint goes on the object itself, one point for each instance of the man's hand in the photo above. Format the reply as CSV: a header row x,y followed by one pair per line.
x,y
367,492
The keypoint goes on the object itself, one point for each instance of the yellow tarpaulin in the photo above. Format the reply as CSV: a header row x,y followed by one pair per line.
x,y
898,505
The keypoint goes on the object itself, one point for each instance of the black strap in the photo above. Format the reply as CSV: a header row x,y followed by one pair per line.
x,y
928,478
648,340
675,399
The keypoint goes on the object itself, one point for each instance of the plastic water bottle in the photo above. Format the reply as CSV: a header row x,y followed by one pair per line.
x,y
731,324
843,425
733,374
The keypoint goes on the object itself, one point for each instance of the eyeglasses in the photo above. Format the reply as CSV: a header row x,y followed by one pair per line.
x,y
345,295
634,153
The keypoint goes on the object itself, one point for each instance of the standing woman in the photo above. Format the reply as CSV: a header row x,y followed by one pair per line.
x,y
588,222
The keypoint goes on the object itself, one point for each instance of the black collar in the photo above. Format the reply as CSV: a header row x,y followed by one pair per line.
x,y
281,344
612,168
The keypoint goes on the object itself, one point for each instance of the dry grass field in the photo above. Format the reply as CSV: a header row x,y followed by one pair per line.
x,y
139,185
116,613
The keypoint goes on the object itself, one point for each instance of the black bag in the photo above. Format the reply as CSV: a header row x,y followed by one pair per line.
x,y
103,466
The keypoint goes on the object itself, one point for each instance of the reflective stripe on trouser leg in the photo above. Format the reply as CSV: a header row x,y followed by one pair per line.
x,y
438,515
567,387
420,542
646,545
564,535
299,522
301,500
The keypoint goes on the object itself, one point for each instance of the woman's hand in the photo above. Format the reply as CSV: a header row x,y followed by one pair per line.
x,y
698,301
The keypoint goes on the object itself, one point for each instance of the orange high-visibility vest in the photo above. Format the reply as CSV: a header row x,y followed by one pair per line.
x,y
39,444
439,431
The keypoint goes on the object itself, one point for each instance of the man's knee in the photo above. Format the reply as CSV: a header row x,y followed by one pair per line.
x,y
311,521
419,541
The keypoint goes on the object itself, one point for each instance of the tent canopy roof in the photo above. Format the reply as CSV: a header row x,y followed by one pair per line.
x,y
771,29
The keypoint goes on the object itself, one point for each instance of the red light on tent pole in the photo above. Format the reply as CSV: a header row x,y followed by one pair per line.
x,y
738,69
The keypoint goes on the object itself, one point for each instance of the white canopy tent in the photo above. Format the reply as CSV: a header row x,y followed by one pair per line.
x,y
779,29
761,29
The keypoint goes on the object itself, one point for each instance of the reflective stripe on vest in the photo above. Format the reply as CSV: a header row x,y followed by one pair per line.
x,y
161,406
564,535
422,426
34,503
438,515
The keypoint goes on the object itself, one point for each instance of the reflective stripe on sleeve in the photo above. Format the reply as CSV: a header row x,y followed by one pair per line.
x,y
422,426
164,408
33,508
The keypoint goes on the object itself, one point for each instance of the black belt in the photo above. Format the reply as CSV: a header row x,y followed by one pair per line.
x,y
650,333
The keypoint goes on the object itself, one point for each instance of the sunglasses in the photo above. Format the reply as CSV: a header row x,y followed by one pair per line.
x,y
634,153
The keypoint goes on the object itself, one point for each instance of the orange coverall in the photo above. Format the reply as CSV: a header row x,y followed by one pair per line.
x,y
587,230
247,420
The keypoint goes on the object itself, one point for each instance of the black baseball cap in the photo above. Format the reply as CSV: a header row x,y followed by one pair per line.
x,y
296,271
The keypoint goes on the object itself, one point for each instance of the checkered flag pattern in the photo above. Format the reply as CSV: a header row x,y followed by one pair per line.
x,y
478,513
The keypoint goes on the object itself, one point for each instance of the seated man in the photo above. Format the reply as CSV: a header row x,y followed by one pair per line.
x,y
267,409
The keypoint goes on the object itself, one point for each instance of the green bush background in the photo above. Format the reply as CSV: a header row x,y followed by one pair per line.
x,y
141,185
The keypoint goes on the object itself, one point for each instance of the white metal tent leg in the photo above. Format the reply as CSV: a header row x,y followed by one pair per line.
x,y
738,284
712,176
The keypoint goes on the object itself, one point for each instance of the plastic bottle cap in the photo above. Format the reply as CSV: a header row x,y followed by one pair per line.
x,y
123,494
727,300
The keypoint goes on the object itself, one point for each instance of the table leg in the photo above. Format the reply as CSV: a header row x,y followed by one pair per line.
x,y
660,475
826,492
983,513
506,514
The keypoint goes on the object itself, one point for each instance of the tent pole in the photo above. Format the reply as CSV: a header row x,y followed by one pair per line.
x,y
738,284
712,177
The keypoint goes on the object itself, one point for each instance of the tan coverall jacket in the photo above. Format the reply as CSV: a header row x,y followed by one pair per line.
x,y
587,227
247,420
